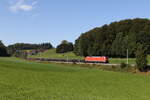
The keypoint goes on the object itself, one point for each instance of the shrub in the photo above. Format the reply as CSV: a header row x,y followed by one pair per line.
x,y
64,47
20,54
123,65
141,57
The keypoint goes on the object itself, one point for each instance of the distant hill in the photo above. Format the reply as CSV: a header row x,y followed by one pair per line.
x,y
114,39
52,54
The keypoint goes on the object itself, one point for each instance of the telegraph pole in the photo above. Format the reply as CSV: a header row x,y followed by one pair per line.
x,y
67,59
127,52
127,57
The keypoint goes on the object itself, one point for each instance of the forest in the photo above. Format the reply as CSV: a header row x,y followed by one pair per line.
x,y
115,39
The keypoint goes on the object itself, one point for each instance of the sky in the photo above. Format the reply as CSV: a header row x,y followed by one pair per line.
x,y
38,21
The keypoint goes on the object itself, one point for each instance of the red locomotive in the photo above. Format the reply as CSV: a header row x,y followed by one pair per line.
x,y
97,59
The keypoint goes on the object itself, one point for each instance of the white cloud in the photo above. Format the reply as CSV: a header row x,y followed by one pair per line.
x,y
26,7
34,3
21,5
21,8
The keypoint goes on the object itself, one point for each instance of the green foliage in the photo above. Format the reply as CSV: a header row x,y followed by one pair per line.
x,y
123,65
20,54
64,47
118,46
24,46
3,50
141,57
113,40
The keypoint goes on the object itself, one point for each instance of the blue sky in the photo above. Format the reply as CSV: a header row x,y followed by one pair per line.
x,y
37,21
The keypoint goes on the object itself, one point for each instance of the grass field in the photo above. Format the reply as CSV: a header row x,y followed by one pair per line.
x,y
23,80
121,60
52,54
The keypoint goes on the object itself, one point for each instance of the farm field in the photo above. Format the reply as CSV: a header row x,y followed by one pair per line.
x,y
24,80
52,54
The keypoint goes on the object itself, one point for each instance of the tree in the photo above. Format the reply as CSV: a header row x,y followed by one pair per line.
x,y
64,47
20,54
3,50
141,57
114,39
117,45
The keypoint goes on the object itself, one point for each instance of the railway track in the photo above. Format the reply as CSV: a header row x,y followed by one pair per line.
x,y
75,61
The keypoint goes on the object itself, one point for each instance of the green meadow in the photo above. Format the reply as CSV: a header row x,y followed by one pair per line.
x,y
25,80
52,54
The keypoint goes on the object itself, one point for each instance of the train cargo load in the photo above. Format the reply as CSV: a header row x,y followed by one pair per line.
x,y
97,59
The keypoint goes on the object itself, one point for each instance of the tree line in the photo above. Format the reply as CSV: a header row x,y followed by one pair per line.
x,y
26,46
19,49
114,39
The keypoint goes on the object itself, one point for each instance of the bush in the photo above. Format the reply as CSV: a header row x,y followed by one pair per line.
x,y
141,57
64,47
20,54
123,65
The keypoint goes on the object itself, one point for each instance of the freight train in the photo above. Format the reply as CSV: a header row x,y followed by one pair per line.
x,y
93,59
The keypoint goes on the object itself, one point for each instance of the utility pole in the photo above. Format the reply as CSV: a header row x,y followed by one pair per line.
x,y
127,52
127,57
67,59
